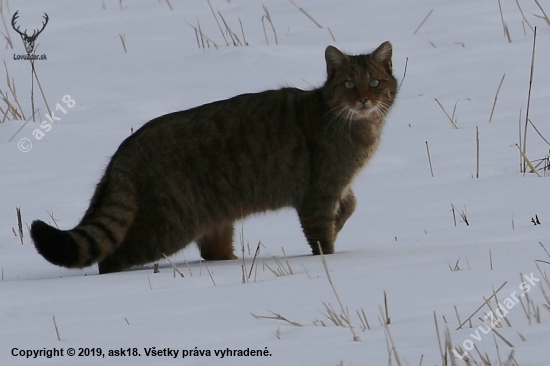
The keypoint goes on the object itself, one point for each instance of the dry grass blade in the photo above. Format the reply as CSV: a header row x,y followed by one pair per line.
x,y
447,114
54,220
307,15
287,263
528,162
173,265
457,316
464,216
56,329
520,140
332,35
496,98
363,318
538,132
210,273
404,74
508,343
477,152
217,22
333,316
355,336
19,224
7,35
504,25
422,23
443,357
482,305
449,347
256,253
393,349
20,128
545,295
242,32
123,40
544,13
234,38
430,160
10,108
524,147
454,213
11,86
523,16
41,90
277,274
387,318
201,37
267,17
277,317
543,247
169,5
281,268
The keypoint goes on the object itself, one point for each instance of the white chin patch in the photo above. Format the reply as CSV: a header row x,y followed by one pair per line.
x,y
361,113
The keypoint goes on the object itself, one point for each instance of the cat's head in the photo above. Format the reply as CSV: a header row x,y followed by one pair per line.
x,y
360,87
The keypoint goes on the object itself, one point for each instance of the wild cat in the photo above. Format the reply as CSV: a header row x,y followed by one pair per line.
x,y
188,176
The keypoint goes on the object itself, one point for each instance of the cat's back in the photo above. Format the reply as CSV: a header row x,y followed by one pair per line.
x,y
269,115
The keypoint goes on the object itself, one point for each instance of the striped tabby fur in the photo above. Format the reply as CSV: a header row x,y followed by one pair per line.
x,y
188,176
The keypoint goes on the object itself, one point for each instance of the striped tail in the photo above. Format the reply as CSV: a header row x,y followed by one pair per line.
x,y
102,229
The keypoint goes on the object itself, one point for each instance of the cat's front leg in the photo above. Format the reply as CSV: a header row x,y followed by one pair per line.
x,y
318,223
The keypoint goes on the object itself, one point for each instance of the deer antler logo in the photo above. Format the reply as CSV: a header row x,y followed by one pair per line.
x,y
29,40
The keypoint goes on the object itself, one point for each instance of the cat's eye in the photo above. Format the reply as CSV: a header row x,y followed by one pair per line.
x,y
349,85
374,83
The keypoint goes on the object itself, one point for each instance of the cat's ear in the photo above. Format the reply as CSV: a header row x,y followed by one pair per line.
x,y
335,59
383,55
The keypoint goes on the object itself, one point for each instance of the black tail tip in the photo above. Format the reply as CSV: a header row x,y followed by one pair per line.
x,y
57,246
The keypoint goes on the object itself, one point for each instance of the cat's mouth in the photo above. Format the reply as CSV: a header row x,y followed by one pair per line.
x,y
366,110
361,112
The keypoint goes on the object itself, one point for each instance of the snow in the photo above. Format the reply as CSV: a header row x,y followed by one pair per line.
x,y
401,241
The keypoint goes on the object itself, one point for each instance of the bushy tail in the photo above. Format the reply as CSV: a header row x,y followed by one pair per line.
x,y
102,229
57,246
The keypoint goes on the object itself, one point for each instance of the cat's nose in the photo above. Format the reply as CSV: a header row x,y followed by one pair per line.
x,y
363,100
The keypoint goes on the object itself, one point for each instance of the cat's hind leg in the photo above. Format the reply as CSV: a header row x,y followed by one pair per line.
x,y
346,206
217,244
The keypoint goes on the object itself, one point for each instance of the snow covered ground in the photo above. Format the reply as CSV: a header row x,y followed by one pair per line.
x,y
402,240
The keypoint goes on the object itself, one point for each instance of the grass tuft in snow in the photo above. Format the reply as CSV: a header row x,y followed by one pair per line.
x,y
482,305
7,36
203,41
345,312
267,17
11,108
